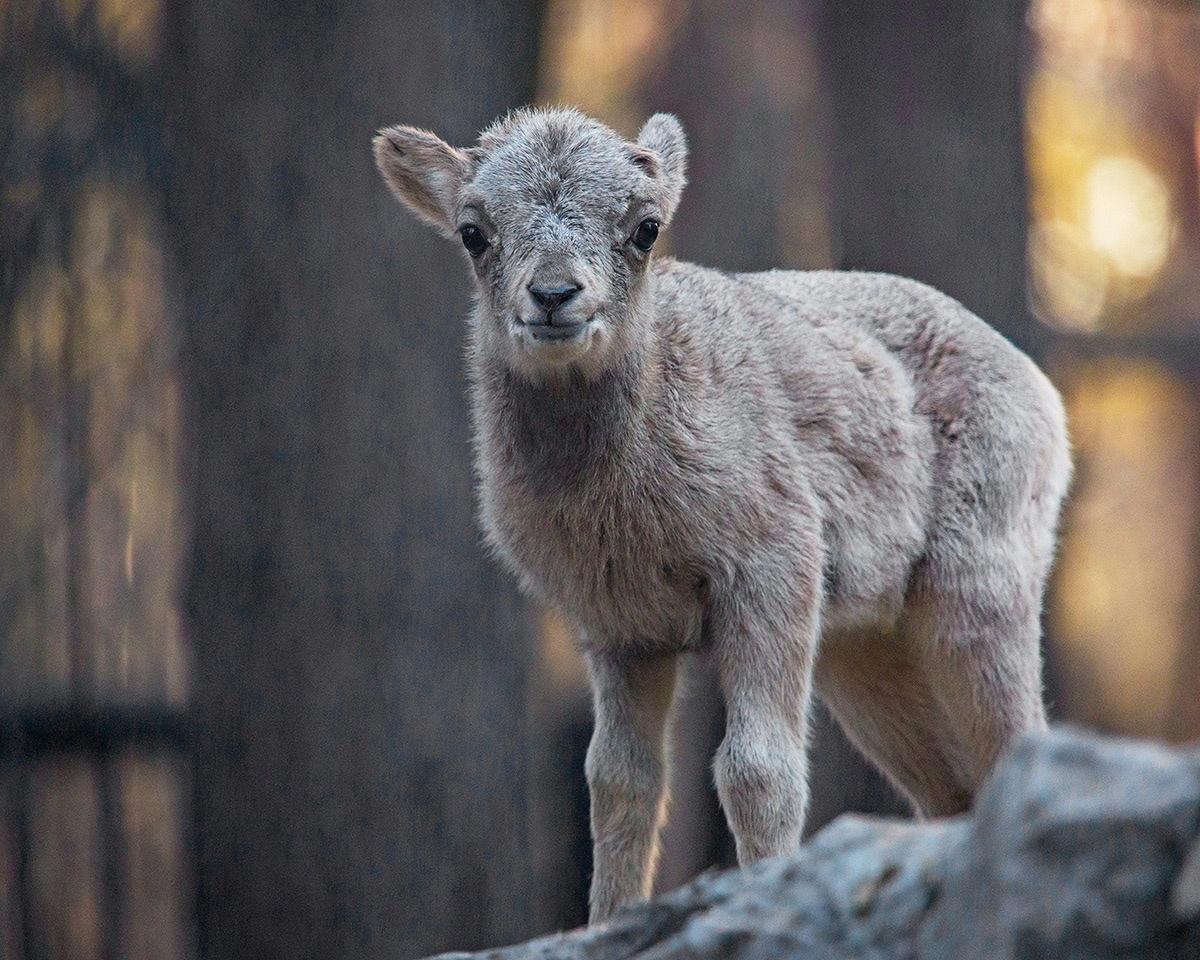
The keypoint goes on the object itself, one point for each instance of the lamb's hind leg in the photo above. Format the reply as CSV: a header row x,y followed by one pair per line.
x,y
877,689
976,616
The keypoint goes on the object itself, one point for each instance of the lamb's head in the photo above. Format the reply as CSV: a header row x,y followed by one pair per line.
x,y
558,216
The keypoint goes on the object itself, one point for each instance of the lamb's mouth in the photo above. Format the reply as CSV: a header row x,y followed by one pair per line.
x,y
545,332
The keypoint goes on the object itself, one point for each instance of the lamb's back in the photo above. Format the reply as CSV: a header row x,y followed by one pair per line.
x,y
901,407
811,398
998,423
813,321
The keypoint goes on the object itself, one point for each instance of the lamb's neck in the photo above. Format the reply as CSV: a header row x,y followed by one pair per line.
x,y
569,428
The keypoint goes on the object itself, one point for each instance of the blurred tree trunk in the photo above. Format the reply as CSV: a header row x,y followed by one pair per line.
x,y
928,175
361,667
928,147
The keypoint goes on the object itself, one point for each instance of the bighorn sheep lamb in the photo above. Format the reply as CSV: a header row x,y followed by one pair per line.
x,y
836,482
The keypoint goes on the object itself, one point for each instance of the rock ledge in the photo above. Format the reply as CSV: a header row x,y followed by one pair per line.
x,y
1080,847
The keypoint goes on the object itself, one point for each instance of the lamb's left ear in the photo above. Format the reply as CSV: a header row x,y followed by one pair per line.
x,y
424,172
663,137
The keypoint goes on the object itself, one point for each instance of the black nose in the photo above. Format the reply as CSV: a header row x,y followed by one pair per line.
x,y
548,298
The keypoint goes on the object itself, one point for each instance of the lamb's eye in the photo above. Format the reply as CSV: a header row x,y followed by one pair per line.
x,y
645,235
474,240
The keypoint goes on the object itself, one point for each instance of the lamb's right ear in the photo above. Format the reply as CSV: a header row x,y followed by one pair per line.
x,y
663,134
424,172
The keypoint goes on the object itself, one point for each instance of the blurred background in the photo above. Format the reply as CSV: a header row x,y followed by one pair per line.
x,y
261,693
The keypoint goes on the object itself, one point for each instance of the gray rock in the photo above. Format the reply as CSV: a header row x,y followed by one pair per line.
x,y
1073,852
1080,847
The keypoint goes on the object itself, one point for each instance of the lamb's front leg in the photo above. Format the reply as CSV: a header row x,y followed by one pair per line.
x,y
766,647
626,773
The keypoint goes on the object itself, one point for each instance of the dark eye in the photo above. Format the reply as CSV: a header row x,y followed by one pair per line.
x,y
645,235
474,240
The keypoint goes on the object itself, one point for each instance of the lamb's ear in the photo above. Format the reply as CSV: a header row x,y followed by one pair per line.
x,y
424,172
663,136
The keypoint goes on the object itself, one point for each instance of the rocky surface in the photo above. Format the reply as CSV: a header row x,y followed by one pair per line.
x,y
1080,847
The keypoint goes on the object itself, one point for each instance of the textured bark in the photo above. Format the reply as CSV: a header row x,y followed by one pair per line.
x,y
361,667
928,161
1079,849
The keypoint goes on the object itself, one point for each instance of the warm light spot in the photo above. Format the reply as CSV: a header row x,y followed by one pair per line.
x,y
67,877
561,661
132,26
1088,30
123,346
91,340
1069,277
129,535
1111,248
1122,608
152,811
38,320
1196,142
1128,214
33,516
598,51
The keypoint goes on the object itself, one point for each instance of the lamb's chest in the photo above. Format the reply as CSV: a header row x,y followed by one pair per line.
x,y
613,570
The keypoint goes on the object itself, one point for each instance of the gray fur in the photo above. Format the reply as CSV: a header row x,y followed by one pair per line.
x,y
844,481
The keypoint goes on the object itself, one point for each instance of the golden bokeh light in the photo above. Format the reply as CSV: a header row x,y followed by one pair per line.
x,y
1128,214
1104,215
562,663
1068,276
132,27
1121,612
1112,177
598,51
